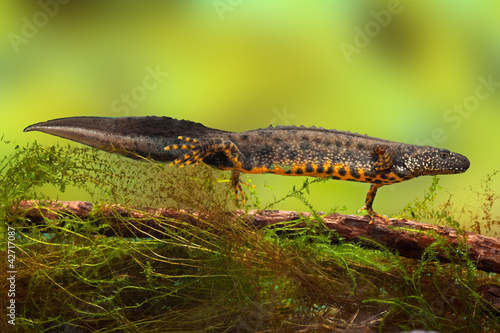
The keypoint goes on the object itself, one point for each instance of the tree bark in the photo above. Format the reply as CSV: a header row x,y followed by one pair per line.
x,y
408,238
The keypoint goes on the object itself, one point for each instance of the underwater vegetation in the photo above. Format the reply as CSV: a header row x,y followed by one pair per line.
x,y
220,275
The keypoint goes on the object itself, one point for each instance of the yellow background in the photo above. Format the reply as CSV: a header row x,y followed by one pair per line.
x,y
240,65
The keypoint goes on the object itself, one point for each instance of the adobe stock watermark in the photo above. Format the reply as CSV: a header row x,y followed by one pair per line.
x,y
11,273
281,117
137,94
224,6
460,111
372,29
30,27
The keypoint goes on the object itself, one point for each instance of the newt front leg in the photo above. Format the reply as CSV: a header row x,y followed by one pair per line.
x,y
370,196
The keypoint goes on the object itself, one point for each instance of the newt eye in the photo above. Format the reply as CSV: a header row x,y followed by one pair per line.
x,y
444,153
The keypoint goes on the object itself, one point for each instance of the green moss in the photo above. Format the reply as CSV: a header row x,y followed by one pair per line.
x,y
220,275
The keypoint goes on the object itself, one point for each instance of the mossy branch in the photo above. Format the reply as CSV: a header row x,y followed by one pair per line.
x,y
409,238
225,271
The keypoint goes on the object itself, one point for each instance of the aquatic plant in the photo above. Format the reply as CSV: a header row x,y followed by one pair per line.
x,y
219,274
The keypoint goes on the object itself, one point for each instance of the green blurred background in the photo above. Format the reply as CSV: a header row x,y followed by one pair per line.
x,y
240,65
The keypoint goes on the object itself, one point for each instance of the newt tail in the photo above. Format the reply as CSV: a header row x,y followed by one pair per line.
x,y
281,150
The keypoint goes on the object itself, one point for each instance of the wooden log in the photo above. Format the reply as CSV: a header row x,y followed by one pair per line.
x,y
408,238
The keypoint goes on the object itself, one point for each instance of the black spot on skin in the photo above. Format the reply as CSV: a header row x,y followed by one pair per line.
x,y
406,177
299,171
361,146
285,147
355,174
392,178
288,172
335,177
244,137
370,173
247,165
348,143
329,170
338,144
278,140
309,168
264,150
320,169
383,176
410,150
305,146
327,143
377,181
305,138
342,171
265,133
218,159
318,141
368,179
293,154
399,173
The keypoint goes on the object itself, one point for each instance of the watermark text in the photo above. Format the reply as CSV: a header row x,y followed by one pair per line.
x,y
460,111
224,6
372,28
137,94
30,27
281,117
11,273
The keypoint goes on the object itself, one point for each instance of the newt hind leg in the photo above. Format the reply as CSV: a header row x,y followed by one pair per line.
x,y
201,149
198,150
236,186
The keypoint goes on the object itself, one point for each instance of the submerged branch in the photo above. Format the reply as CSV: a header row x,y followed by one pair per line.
x,y
409,238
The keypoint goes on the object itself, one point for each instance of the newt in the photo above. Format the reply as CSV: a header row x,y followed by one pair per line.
x,y
281,150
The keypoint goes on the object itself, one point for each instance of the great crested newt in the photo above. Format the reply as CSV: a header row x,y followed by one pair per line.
x,y
281,150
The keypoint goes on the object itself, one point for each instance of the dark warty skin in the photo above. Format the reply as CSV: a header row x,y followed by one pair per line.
x,y
282,150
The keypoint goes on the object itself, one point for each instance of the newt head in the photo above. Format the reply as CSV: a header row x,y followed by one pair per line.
x,y
436,161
